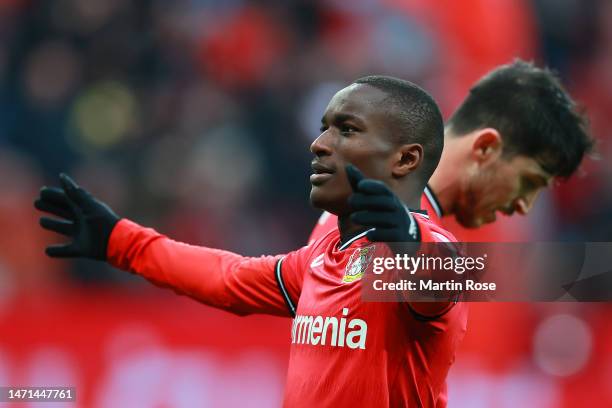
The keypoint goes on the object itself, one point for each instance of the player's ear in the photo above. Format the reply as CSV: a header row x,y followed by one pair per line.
x,y
487,145
409,158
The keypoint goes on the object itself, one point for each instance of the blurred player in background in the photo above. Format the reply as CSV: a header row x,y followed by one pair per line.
x,y
516,131
344,351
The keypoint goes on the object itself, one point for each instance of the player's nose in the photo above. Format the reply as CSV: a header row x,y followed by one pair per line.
x,y
523,205
520,206
321,145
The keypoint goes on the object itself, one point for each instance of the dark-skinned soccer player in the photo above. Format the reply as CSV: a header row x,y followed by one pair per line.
x,y
344,351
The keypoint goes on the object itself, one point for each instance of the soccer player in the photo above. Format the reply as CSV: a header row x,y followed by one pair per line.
x,y
515,132
344,351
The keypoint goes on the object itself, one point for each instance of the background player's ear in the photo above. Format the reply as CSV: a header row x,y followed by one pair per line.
x,y
488,145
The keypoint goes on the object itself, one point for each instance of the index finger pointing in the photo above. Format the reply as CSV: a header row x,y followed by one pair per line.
x,y
354,176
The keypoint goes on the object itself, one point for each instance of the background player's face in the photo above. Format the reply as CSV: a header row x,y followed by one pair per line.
x,y
355,129
507,185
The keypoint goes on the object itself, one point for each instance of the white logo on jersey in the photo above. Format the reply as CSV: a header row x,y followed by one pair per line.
x,y
318,261
319,330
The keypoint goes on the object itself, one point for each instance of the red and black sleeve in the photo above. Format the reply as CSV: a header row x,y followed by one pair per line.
x,y
222,279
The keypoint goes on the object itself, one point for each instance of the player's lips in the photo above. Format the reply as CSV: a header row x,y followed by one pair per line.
x,y
321,174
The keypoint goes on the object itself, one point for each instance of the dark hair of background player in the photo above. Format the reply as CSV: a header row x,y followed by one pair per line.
x,y
534,114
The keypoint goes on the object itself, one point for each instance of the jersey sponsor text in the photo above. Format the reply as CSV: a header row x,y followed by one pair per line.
x,y
319,330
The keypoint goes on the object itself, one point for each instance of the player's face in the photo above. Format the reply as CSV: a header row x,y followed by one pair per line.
x,y
354,130
506,186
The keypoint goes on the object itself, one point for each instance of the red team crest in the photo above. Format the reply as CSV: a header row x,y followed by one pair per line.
x,y
358,263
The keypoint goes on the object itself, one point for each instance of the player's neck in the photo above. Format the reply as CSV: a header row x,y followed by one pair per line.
x,y
348,229
445,181
412,200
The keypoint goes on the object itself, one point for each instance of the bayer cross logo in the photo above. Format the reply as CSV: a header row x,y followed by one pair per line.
x,y
358,263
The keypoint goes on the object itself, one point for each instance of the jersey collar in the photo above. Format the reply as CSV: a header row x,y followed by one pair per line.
x,y
355,238
362,234
433,201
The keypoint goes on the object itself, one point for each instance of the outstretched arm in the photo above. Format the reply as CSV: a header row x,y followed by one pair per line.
x,y
221,279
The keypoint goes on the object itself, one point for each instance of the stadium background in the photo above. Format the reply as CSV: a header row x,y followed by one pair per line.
x,y
195,117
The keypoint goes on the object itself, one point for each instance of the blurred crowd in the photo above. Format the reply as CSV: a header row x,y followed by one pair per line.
x,y
195,116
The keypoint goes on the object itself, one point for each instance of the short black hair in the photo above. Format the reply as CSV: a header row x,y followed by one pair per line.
x,y
417,115
534,114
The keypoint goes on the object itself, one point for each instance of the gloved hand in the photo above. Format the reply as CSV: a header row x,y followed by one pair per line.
x,y
374,205
88,221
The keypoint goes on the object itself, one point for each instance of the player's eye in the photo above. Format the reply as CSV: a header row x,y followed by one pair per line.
x,y
347,129
323,128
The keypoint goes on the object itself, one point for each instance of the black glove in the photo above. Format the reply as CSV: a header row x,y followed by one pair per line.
x,y
374,205
86,220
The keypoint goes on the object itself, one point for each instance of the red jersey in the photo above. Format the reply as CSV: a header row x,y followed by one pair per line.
x,y
344,351
328,221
